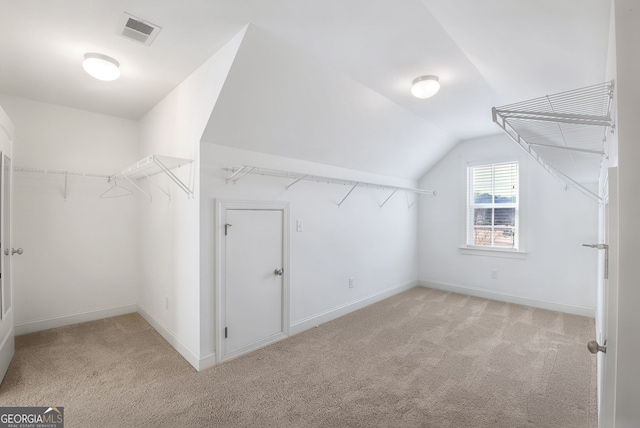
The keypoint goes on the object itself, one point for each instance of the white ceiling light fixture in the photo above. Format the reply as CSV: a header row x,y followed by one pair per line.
x,y
101,67
425,86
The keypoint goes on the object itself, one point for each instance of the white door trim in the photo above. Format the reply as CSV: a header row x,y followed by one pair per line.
x,y
222,205
7,343
608,363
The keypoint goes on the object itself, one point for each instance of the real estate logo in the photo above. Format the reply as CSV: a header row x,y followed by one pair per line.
x,y
31,417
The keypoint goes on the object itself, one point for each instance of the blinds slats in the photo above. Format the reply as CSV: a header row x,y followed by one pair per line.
x,y
492,207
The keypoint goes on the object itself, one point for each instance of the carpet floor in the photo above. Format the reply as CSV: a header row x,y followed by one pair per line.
x,y
422,358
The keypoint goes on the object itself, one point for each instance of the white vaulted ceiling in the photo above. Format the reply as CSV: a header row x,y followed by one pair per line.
x,y
320,80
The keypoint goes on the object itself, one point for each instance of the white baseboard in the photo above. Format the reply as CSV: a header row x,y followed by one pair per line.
x,y
199,363
334,313
80,317
207,362
509,298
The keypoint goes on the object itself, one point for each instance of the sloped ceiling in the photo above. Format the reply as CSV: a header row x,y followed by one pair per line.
x,y
356,111
278,100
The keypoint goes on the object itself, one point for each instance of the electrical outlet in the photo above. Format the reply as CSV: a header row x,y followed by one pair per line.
x,y
352,280
494,273
299,225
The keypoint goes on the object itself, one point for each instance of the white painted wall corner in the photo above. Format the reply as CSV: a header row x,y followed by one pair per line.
x,y
199,363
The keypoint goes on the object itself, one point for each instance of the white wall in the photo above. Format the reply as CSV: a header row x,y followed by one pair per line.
x,y
169,229
80,255
556,273
376,245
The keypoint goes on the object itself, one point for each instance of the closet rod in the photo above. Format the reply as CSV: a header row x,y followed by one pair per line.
x,y
239,172
60,172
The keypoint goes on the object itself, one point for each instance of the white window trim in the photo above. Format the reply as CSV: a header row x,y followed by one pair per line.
x,y
521,252
493,252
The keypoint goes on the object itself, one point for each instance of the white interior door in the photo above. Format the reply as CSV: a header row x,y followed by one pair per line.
x,y
6,251
253,285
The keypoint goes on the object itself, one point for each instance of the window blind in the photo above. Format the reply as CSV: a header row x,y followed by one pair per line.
x,y
492,205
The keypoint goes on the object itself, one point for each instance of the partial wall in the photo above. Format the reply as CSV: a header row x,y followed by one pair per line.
x,y
80,253
375,245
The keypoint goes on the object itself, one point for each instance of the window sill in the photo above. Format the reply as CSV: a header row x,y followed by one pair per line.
x,y
493,252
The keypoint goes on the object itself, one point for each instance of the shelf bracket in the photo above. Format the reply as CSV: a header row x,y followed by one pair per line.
x,y
237,175
298,180
137,187
173,177
387,200
347,195
168,195
410,205
154,164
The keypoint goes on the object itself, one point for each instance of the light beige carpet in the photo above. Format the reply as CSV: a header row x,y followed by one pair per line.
x,y
423,358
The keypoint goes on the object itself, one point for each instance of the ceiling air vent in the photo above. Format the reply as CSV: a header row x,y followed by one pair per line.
x,y
139,30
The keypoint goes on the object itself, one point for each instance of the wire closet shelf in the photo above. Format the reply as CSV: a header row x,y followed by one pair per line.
x,y
238,172
144,168
569,126
155,164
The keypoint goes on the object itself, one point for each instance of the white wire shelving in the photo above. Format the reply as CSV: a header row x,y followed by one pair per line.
x,y
574,123
239,172
144,168
153,165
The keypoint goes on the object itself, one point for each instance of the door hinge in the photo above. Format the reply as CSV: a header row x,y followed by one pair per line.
x,y
226,229
225,333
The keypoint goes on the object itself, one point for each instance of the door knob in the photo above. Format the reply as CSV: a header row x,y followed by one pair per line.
x,y
594,347
19,251
279,271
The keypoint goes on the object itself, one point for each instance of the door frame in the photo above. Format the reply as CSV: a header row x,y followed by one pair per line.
x,y
5,224
222,205
7,343
607,363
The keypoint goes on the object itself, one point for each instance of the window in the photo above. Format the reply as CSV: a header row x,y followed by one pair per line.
x,y
492,206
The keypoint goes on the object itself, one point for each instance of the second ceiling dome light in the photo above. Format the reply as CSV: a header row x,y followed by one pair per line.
x,y
425,86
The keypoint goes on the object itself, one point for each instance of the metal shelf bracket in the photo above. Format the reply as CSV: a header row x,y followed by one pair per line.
x,y
347,195
155,164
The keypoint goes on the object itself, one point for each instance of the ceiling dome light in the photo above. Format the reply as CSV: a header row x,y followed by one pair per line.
x,y
101,66
425,86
